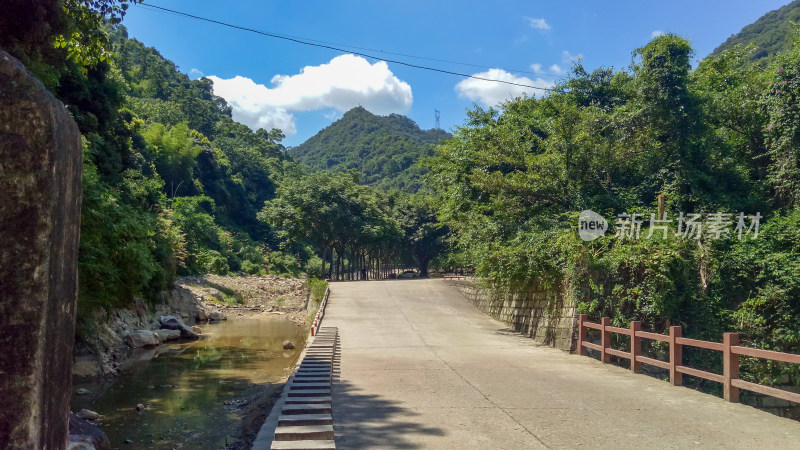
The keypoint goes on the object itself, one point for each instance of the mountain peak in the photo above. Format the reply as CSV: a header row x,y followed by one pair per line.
x,y
382,148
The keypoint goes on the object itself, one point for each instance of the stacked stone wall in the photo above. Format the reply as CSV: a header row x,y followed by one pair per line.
x,y
546,317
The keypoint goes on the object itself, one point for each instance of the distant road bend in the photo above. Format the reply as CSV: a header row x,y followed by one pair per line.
x,y
422,368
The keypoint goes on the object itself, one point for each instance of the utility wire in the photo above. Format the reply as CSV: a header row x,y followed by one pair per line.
x,y
528,72
338,49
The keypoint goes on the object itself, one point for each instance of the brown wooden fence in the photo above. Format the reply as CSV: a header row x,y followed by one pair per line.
x,y
729,347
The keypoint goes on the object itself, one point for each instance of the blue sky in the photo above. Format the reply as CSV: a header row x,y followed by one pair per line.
x,y
261,77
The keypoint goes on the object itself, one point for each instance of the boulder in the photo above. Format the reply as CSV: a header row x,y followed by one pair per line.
x,y
288,345
83,433
197,329
142,338
40,204
88,414
174,323
216,316
215,294
80,442
201,314
165,335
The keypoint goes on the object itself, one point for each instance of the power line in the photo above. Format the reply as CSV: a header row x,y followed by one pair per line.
x,y
349,46
338,49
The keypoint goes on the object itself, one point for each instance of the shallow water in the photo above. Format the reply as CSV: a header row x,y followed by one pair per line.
x,y
185,386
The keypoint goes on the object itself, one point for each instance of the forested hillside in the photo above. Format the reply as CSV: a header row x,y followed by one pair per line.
x,y
721,141
771,33
382,148
172,185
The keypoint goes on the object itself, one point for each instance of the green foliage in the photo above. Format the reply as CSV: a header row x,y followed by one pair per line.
x,y
86,42
125,250
171,184
317,288
422,231
720,138
383,149
331,211
781,102
758,281
770,33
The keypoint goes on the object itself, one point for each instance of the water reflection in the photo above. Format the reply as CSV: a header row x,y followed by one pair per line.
x,y
190,390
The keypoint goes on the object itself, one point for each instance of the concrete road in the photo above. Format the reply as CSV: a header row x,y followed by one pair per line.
x,y
422,368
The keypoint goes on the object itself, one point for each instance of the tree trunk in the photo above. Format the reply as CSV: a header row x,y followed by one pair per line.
x,y
423,268
338,264
324,255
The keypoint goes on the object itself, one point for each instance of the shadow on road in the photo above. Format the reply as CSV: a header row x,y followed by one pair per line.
x,y
368,421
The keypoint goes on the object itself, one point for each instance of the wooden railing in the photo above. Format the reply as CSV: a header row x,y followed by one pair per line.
x,y
729,347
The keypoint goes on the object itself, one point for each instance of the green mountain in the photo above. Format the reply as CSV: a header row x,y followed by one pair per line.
x,y
383,148
771,33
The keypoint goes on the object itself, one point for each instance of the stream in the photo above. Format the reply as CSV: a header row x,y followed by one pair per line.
x,y
193,392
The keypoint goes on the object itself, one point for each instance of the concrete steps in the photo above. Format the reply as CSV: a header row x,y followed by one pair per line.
x,y
307,408
308,400
305,421
309,392
304,445
304,432
309,385
326,380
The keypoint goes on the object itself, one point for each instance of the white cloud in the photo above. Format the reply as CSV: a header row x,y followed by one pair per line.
x,y
537,24
567,57
492,93
195,74
332,114
345,82
554,69
656,34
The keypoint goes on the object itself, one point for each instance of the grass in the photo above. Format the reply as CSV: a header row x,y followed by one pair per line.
x,y
317,288
230,296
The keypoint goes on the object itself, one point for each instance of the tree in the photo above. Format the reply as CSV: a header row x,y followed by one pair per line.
x,y
423,233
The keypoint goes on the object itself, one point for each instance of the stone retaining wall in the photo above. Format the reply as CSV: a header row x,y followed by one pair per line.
x,y
545,317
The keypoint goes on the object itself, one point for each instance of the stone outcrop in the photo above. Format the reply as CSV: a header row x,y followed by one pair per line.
x,y
216,316
40,200
142,338
88,414
174,323
165,335
84,435
546,317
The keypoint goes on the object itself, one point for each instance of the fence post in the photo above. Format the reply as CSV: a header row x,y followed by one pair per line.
x,y
581,334
636,346
605,339
675,355
730,366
